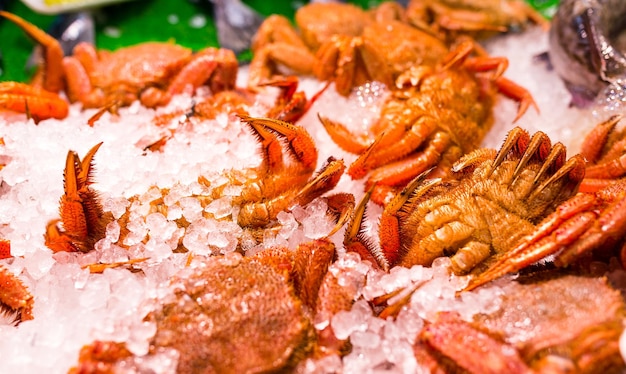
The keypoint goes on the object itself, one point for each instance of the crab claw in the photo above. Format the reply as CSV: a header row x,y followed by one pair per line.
x,y
82,216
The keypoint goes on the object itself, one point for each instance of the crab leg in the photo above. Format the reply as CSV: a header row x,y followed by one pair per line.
x,y
470,348
300,144
609,226
389,231
559,229
356,241
41,104
259,214
400,172
14,297
53,76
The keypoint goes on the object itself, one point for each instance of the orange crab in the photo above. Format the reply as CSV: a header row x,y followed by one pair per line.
x,y
274,186
533,331
591,223
260,311
341,43
350,46
476,18
491,201
442,112
150,72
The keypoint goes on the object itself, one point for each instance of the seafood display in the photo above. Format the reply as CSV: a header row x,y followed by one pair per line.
x,y
168,210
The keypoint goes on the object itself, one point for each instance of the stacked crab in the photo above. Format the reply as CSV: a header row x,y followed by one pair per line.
x,y
453,216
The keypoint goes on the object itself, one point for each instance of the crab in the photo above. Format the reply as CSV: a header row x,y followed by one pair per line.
x,y
533,331
341,43
276,185
150,72
591,224
479,19
479,214
242,314
442,112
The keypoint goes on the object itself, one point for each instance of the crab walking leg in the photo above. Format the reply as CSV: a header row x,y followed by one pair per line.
x,y
355,239
52,73
390,225
300,144
258,214
14,297
37,102
472,349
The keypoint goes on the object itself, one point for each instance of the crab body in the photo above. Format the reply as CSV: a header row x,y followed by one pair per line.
x,y
489,204
533,331
442,112
149,72
476,18
243,314
589,225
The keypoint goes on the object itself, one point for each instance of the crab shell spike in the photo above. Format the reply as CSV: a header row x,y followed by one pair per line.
x,y
539,146
573,169
301,144
517,137
53,78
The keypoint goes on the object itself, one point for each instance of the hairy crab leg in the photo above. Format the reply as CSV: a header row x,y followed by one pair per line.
x,y
300,144
53,75
14,297
40,103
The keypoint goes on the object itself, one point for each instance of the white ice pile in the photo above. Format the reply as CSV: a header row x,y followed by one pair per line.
x,y
74,307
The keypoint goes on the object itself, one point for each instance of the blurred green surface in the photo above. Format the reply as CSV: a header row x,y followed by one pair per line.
x,y
146,20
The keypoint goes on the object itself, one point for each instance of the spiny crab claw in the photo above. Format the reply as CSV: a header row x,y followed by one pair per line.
x,y
82,217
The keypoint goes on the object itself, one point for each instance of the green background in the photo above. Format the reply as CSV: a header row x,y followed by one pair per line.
x,y
146,20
